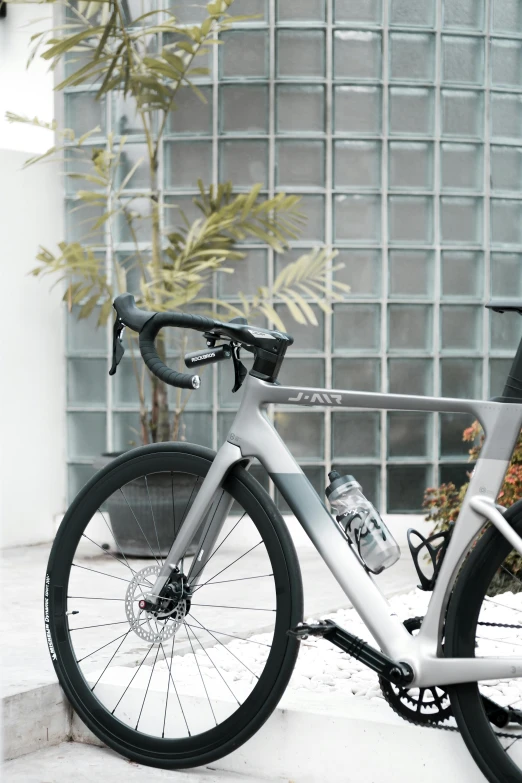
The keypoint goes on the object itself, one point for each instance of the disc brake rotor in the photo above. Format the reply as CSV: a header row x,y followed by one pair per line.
x,y
155,626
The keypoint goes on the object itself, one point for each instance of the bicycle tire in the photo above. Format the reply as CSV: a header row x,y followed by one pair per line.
x,y
203,748
483,563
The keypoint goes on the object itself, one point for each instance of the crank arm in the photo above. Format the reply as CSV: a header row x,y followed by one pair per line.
x,y
396,672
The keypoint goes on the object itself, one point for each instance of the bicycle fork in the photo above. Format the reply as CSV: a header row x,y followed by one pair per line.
x,y
211,504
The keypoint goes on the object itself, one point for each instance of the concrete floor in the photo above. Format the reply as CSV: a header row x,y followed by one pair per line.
x,y
87,763
26,662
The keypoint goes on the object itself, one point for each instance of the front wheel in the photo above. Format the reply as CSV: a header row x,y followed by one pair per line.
x,y
485,620
186,685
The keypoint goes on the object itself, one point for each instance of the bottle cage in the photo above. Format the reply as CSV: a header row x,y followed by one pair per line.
x,y
435,547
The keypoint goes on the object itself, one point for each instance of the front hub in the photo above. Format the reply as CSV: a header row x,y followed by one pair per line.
x,y
156,622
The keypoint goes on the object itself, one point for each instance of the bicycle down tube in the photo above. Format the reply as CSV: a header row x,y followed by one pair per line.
x,y
253,436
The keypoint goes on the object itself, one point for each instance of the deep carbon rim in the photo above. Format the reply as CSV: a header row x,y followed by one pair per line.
x,y
485,618
280,661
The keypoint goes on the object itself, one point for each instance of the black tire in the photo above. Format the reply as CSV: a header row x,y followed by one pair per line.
x,y
461,640
233,731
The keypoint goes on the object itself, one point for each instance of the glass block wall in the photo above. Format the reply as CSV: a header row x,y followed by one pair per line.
x,y
400,124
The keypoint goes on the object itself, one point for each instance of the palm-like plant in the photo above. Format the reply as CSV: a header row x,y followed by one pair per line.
x,y
104,45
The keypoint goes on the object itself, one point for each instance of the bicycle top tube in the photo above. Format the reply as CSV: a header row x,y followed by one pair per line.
x,y
269,348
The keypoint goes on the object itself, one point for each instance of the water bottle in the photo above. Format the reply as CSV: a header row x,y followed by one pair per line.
x,y
361,523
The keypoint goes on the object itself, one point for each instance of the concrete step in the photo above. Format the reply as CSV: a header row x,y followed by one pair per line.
x,y
316,737
87,763
310,738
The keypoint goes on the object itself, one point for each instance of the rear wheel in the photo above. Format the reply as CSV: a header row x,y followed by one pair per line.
x,y
189,684
485,620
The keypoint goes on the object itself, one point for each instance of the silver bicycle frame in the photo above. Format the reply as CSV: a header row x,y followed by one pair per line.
x,y
252,435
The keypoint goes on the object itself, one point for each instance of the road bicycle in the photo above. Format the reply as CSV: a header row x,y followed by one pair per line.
x,y
164,691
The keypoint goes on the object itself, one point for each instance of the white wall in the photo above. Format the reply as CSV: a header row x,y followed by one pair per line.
x,y
24,91
32,364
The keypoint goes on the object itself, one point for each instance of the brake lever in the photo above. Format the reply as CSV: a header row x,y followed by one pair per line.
x,y
117,345
240,371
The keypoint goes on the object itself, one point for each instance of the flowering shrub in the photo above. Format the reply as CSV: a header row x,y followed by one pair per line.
x,y
443,503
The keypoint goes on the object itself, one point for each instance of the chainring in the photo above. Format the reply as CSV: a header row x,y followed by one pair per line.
x,y
425,706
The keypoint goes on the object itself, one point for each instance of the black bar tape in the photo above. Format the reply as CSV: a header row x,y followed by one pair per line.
x,y
184,321
148,324
150,355
173,378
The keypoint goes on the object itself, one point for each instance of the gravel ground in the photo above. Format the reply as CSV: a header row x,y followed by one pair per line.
x,y
321,667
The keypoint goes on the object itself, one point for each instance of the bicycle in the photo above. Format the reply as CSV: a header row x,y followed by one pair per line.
x,y
142,708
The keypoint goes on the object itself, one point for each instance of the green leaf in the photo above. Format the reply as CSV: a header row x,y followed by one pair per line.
x,y
88,307
130,174
295,312
88,134
185,46
91,69
38,158
12,117
175,61
105,34
61,46
105,312
268,311
305,307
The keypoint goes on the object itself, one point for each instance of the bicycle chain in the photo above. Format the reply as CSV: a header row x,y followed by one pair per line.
x,y
393,700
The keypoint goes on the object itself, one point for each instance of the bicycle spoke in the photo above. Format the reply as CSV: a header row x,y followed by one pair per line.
x,y
92,598
247,608
511,744
503,567
502,641
147,689
200,674
153,519
232,636
106,552
189,503
227,581
111,659
79,660
174,686
234,562
221,544
225,647
140,527
101,625
114,537
104,573
502,606
213,664
168,689
132,678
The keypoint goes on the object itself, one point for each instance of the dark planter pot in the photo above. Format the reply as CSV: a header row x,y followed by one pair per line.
x,y
166,522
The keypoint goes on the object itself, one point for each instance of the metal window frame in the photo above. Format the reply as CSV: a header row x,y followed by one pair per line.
x,y
383,136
